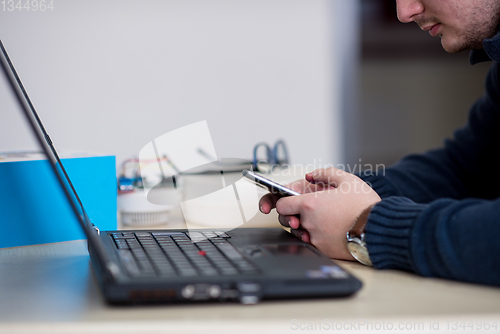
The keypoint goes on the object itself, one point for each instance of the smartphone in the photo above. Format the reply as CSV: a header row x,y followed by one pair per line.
x,y
273,187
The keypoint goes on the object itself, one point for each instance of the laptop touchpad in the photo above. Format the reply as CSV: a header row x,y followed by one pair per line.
x,y
294,249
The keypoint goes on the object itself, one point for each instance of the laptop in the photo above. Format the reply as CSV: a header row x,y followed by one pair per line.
x,y
243,265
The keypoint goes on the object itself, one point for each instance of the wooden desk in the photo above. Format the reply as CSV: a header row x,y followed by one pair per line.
x,y
51,289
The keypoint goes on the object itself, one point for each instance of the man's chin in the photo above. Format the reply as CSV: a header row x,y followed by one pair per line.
x,y
452,46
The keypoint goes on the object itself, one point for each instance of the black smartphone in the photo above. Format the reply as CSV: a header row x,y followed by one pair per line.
x,y
273,187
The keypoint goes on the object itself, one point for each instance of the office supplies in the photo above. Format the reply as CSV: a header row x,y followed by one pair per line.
x,y
134,208
273,187
128,177
244,264
275,157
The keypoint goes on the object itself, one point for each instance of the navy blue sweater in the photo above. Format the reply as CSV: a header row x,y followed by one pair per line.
x,y
440,211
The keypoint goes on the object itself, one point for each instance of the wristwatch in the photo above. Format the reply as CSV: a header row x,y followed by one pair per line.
x,y
356,239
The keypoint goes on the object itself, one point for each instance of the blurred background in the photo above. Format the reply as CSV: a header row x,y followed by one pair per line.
x,y
413,94
342,82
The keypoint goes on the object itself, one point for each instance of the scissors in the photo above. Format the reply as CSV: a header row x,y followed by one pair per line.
x,y
275,156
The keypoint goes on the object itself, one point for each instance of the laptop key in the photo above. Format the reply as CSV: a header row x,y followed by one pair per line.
x,y
128,262
180,236
170,273
148,238
122,237
229,272
209,234
168,234
133,243
183,265
230,251
138,252
209,272
162,268
188,273
196,235
222,234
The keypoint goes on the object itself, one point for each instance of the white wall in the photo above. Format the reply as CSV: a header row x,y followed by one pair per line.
x,y
109,76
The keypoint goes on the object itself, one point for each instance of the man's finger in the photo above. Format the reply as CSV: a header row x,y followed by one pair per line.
x,y
327,177
268,202
289,221
289,206
297,186
312,188
302,235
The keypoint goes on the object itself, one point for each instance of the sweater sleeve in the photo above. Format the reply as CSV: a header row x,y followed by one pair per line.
x,y
454,239
440,211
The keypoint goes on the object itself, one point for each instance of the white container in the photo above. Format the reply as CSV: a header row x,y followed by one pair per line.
x,y
136,210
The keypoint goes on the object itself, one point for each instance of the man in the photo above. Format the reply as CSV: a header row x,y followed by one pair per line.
x,y
436,214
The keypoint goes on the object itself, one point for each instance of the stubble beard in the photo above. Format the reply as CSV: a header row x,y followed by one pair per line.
x,y
469,40
472,38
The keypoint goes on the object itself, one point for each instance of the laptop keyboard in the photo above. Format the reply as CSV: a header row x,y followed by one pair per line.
x,y
175,254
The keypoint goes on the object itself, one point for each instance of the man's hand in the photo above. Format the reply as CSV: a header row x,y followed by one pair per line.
x,y
330,203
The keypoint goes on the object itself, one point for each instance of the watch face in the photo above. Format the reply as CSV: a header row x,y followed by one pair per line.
x,y
358,251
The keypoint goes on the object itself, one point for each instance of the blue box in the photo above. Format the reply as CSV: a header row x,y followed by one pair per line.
x,y
33,207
